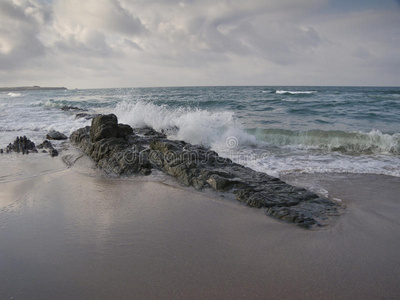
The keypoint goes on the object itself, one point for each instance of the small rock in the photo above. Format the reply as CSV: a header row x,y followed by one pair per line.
x,y
53,152
56,135
68,108
46,145
85,116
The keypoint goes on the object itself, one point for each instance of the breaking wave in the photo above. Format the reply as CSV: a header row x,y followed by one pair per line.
x,y
194,125
374,142
213,128
273,151
294,92
14,94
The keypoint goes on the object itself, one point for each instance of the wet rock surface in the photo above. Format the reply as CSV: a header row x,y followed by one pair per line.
x,y
120,150
25,146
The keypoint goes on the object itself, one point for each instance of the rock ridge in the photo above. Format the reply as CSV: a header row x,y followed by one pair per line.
x,y
119,149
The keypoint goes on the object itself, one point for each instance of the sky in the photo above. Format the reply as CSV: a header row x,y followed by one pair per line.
x,y
135,43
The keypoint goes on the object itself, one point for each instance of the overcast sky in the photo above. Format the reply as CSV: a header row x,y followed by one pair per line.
x,y
132,43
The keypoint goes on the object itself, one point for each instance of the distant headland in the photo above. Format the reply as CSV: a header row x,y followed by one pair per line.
x,y
29,88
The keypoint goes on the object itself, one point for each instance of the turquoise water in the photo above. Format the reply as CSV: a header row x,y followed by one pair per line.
x,y
271,129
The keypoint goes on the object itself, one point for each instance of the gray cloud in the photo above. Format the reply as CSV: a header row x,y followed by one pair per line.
x,y
20,27
152,42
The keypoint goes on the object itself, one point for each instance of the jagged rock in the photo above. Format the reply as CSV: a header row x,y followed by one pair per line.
x,y
56,135
26,146
45,145
121,150
21,144
116,156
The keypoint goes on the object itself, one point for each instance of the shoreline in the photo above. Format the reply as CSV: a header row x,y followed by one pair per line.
x,y
73,233
118,149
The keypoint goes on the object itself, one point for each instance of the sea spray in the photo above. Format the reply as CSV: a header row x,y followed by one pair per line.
x,y
194,125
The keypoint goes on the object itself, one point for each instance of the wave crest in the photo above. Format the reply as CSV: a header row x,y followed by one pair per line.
x,y
374,142
14,94
283,92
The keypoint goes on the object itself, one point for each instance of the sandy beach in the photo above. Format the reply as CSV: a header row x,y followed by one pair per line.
x,y
72,233
199,149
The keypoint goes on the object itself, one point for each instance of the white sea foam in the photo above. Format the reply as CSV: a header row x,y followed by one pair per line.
x,y
287,152
294,92
277,165
197,126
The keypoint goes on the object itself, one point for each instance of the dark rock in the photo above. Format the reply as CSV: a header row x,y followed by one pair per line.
x,y
73,108
124,130
56,135
25,146
46,145
53,152
21,144
85,116
103,127
120,150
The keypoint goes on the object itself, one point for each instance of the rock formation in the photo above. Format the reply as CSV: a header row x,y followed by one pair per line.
x,y
25,146
48,147
120,150
21,145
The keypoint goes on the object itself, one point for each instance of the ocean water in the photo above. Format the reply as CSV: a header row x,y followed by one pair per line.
x,y
276,130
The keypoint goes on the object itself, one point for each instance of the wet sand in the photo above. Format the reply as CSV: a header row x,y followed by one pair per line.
x,y
74,234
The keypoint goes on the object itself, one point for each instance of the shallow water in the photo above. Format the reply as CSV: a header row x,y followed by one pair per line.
x,y
277,130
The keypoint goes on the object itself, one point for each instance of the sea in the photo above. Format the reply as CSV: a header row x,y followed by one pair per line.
x,y
273,129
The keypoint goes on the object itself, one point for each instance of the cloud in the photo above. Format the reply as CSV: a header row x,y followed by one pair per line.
x,y
96,43
103,15
20,26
